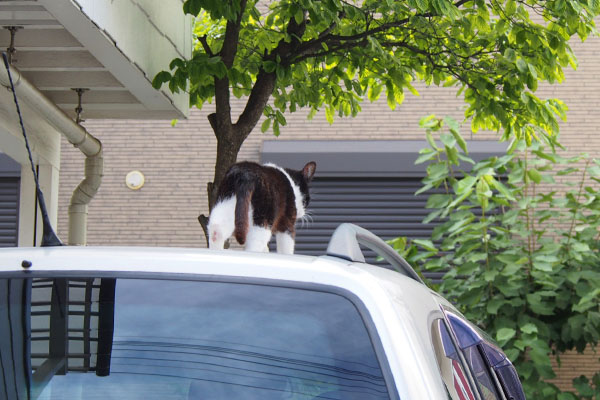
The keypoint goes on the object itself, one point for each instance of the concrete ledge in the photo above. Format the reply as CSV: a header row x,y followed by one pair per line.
x,y
363,158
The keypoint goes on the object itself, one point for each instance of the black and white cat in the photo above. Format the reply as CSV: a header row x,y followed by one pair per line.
x,y
256,201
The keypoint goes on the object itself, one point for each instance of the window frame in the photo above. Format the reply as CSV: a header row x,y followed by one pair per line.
x,y
466,367
491,372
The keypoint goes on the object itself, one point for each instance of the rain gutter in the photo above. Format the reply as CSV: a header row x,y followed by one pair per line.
x,y
79,137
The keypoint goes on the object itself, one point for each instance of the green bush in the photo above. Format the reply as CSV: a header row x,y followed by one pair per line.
x,y
521,250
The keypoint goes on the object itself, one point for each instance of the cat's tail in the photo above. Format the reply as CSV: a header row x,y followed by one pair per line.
x,y
242,211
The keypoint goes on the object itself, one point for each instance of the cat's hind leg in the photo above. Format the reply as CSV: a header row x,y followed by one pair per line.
x,y
221,223
258,239
285,242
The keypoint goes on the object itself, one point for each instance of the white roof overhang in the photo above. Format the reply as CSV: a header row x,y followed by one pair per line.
x,y
112,49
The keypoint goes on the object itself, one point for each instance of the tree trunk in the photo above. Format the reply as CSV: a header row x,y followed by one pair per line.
x,y
227,152
229,142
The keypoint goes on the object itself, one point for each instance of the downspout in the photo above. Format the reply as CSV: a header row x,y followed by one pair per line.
x,y
79,137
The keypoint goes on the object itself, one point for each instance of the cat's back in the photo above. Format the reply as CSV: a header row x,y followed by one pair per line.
x,y
251,175
245,169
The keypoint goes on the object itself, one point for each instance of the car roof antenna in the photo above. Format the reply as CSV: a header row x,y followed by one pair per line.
x,y
49,238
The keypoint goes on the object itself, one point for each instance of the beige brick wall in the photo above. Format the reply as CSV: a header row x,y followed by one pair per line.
x,y
177,162
574,365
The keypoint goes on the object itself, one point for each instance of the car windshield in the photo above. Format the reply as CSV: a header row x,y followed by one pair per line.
x,y
181,339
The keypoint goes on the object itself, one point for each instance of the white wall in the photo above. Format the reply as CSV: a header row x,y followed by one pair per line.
x,y
150,33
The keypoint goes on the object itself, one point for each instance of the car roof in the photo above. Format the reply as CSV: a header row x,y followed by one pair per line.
x,y
185,261
371,284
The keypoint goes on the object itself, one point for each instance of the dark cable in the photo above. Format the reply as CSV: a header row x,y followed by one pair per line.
x,y
49,238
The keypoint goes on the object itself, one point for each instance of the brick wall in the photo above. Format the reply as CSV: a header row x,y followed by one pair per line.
x,y
178,161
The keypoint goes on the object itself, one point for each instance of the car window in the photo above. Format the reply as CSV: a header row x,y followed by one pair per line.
x,y
173,339
481,372
452,370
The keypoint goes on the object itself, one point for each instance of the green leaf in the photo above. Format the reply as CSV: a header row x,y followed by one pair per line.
x,y
483,189
390,95
329,113
192,7
510,270
583,386
424,189
522,65
299,15
437,171
594,170
459,139
503,335
465,159
510,8
374,92
448,140
458,201
426,244
537,305
542,266
534,175
429,121
177,63
265,125
591,299
581,247
452,124
494,305
546,156
431,141
438,200
528,328
502,189
465,184
510,54
425,157
490,275
422,5
269,66
280,118
452,154
566,396
160,78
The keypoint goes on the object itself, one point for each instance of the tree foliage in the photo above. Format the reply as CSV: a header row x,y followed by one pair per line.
x,y
332,54
521,251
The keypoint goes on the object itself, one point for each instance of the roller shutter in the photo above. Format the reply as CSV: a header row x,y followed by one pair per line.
x,y
387,206
9,211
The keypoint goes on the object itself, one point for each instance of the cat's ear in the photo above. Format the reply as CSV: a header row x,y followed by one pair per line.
x,y
308,172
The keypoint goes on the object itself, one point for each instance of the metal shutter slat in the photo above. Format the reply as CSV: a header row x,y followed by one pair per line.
x,y
385,206
9,211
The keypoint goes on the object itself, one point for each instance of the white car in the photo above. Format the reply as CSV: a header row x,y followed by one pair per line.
x,y
162,323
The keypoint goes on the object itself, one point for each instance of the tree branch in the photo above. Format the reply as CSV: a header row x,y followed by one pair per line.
x,y
232,35
312,48
221,122
205,45
259,96
265,81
